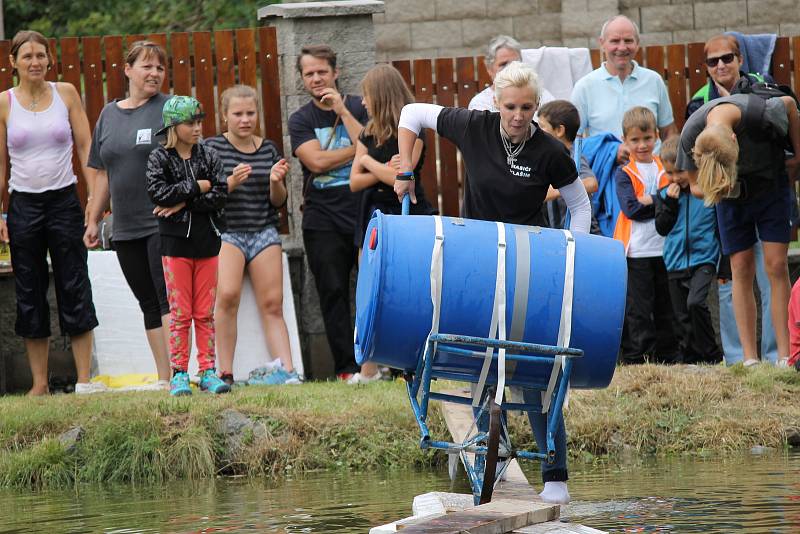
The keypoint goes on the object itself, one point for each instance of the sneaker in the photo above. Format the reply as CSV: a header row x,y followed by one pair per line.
x,y
179,385
782,363
260,372
292,378
751,363
279,376
227,378
209,381
344,377
90,387
359,378
260,375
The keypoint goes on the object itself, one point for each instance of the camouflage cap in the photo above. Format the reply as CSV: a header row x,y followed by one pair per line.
x,y
180,109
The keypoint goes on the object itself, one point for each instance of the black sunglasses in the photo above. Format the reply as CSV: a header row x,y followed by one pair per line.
x,y
726,58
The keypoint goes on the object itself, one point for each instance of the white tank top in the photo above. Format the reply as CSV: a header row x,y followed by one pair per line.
x,y
39,146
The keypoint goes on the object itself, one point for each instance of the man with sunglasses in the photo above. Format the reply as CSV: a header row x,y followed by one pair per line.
x,y
723,61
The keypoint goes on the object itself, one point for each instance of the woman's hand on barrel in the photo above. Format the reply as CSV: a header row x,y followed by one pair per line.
x,y
403,188
279,171
166,211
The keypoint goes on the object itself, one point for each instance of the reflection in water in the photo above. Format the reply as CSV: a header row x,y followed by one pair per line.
x,y
743,493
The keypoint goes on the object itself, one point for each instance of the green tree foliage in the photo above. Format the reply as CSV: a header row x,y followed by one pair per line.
x,y
61,18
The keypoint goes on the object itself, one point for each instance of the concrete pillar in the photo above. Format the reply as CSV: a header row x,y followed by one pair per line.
x,y
346,26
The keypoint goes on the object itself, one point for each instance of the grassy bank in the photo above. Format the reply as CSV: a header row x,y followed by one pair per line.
x,y
149,437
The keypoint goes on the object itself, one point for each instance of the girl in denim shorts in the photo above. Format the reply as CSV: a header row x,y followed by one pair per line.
x,y
256,190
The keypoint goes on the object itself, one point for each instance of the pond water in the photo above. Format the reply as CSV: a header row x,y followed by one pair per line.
x,y
744,493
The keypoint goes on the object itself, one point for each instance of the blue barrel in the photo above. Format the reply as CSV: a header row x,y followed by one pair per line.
x,y
394,309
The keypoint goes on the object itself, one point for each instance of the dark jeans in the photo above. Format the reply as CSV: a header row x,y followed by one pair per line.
x,y
648,332
140,261
38,223
557,471
331,257
689,294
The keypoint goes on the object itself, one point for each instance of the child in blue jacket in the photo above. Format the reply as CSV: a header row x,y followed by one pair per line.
x,y
691,254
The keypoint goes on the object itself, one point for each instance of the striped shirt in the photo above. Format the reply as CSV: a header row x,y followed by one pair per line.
x,y
248,207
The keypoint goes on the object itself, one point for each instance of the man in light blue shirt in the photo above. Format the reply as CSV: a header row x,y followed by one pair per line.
x,y
605,94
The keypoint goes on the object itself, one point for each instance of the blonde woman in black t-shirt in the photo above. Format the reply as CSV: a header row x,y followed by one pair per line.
x,y
376,162
510,164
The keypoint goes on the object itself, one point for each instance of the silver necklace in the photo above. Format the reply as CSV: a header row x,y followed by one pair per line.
x,y
35,99
512,153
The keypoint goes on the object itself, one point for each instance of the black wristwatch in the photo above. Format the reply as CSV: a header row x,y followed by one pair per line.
x,y
404,176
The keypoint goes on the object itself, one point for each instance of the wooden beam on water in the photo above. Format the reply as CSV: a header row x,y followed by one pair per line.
x,y
497,517
458,418
555,527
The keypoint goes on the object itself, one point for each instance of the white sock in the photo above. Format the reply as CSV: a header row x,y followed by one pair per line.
x,y
555,492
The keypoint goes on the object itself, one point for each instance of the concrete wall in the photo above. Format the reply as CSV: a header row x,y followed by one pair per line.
x,y
448,28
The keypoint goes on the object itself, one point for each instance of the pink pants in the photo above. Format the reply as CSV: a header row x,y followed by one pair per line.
x,y
191,291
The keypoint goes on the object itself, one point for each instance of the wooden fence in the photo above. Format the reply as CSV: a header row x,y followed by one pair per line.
x,y
454,81
202,64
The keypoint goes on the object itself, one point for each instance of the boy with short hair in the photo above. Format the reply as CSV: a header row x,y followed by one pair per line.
x,y
648,331
560,119
691,253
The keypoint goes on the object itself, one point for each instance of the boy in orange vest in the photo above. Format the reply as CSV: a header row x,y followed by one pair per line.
x,y
647,333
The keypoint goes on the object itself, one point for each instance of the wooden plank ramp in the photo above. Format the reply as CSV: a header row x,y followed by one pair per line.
x,y
459,422
515,507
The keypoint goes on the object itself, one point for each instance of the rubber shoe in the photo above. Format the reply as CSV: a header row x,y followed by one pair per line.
x,y
90,388
209,381
179,385
360,378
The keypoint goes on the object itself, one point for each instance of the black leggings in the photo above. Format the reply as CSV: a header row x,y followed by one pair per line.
x,y
140,260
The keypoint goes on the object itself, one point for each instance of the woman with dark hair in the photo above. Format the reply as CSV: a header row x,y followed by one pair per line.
x,y
376,163
39,122
123,138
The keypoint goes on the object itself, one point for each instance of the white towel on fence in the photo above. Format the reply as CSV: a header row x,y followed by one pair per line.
x,y
549,62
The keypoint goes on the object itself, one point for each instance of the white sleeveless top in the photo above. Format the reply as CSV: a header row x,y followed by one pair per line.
x,y
39,146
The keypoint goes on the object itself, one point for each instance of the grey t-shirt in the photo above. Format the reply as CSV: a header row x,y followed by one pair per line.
x,y
751,137
121,144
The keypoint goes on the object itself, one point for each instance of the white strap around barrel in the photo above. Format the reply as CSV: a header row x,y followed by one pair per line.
x,y
565,325
437,267
497,328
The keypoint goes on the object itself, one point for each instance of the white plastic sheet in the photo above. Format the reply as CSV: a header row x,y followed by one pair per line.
x,y
120,343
